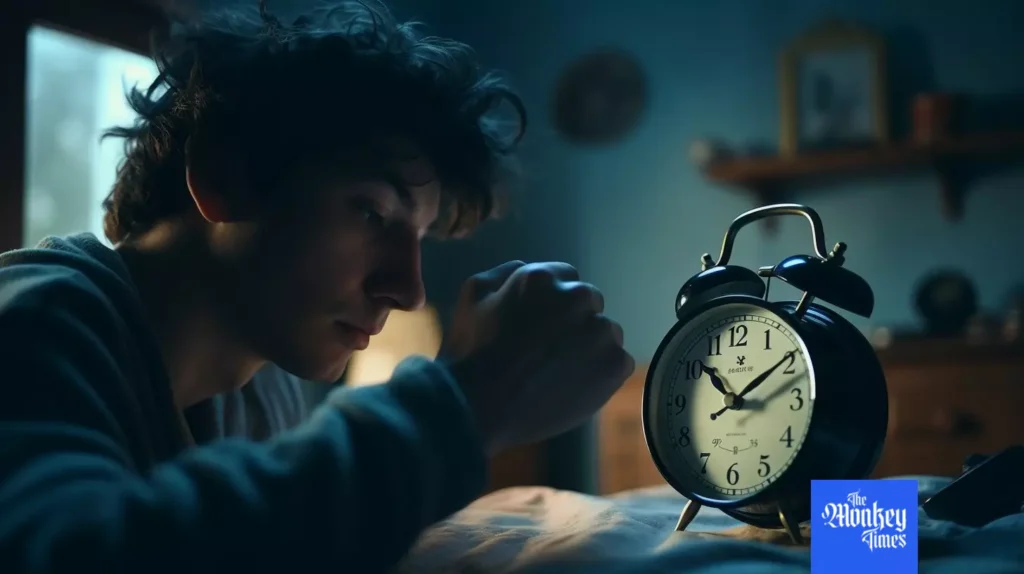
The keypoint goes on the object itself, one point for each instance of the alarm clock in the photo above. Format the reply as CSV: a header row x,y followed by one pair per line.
x,y
748,400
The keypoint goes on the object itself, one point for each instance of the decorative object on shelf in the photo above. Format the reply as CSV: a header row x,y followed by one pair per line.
x,y
1012,321
881,337
933,117
796,371
704,151
984,329
947,301
833,89
1011,326
599,97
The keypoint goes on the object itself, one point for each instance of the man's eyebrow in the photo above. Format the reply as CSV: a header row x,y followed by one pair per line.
x,y
403,193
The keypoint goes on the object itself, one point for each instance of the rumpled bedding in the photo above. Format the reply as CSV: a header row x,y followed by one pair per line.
x,y
539,530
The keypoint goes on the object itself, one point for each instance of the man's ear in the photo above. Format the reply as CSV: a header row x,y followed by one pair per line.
x,y
216,178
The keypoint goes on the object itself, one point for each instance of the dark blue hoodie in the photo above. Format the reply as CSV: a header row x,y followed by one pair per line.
x,y
100,473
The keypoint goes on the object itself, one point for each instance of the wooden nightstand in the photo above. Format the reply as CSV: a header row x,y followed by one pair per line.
x,y
624,461
946,400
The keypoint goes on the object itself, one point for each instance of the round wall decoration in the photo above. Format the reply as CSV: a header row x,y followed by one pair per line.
x,y
599,97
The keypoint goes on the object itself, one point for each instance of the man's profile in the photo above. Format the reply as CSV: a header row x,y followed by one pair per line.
x,y
269,212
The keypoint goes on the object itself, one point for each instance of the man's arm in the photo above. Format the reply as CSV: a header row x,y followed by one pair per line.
x,y
348,491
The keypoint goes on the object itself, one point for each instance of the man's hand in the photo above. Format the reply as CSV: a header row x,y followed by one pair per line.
x,y
533,352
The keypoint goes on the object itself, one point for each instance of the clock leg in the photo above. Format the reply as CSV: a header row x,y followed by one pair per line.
x,y
688,514
792,527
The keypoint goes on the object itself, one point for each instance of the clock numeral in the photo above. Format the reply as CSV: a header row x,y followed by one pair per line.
x,y
704,456
787,437
679,403
732,475
738,336
764,468
694,369
714,345
767,339
798,398
789,366
684,436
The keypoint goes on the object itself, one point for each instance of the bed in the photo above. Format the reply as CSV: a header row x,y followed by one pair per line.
x,y
540,530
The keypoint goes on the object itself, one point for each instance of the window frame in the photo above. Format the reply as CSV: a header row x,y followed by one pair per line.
x,y
125,24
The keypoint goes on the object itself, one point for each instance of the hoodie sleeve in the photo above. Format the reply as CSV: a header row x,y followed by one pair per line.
x,y
348,491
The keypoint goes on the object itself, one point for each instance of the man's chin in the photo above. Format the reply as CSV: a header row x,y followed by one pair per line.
x,y
320,371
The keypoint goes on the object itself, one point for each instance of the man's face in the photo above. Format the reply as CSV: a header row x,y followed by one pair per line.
x,y
314,279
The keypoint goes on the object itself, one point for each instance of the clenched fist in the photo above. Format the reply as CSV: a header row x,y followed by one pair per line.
x,y
533,352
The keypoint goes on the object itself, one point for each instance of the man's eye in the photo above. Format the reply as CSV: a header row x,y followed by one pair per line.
x,y
372,216
369,213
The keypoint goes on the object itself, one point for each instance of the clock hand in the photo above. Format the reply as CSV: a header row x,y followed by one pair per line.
x,y
763,376
716,381
736,401
780,389
753,405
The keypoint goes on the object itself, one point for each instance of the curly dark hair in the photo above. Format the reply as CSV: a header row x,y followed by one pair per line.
x,y
337,79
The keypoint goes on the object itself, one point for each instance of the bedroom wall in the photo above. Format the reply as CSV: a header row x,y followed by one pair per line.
x,y
635,217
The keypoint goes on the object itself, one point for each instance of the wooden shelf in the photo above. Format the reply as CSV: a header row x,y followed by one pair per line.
x,y
768,177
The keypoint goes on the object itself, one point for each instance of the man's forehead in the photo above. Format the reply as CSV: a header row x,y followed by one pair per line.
x,y
395,169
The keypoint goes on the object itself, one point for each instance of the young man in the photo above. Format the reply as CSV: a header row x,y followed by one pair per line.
x,y
270,211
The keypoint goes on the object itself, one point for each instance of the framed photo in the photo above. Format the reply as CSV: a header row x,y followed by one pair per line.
x,y
833,90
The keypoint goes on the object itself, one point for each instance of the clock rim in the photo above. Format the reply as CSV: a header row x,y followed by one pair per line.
x,y
780,487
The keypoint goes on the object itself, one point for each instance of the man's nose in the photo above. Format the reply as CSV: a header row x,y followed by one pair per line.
x,y
399,277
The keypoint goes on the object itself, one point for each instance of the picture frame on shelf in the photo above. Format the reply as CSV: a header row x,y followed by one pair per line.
x,y
833,89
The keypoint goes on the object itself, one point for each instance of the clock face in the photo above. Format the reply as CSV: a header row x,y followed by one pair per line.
x,y
730,401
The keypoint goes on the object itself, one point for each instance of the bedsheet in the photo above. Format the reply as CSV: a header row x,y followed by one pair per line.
x,y
540,530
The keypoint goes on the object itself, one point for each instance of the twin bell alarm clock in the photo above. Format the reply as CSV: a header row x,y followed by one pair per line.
x,y
748,400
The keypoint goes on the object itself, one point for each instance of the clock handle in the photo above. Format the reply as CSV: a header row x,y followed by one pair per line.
x,y
817,230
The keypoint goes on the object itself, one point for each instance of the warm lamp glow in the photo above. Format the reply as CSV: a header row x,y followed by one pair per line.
x,y
404,335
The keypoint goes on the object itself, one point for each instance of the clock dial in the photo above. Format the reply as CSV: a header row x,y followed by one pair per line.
x,y
735,395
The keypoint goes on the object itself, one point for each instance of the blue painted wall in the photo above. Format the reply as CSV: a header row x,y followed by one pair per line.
x,y
635,217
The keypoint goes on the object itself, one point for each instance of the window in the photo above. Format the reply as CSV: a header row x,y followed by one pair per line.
x,y
75,91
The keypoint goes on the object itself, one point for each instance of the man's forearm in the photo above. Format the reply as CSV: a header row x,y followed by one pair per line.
x,y
349,490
